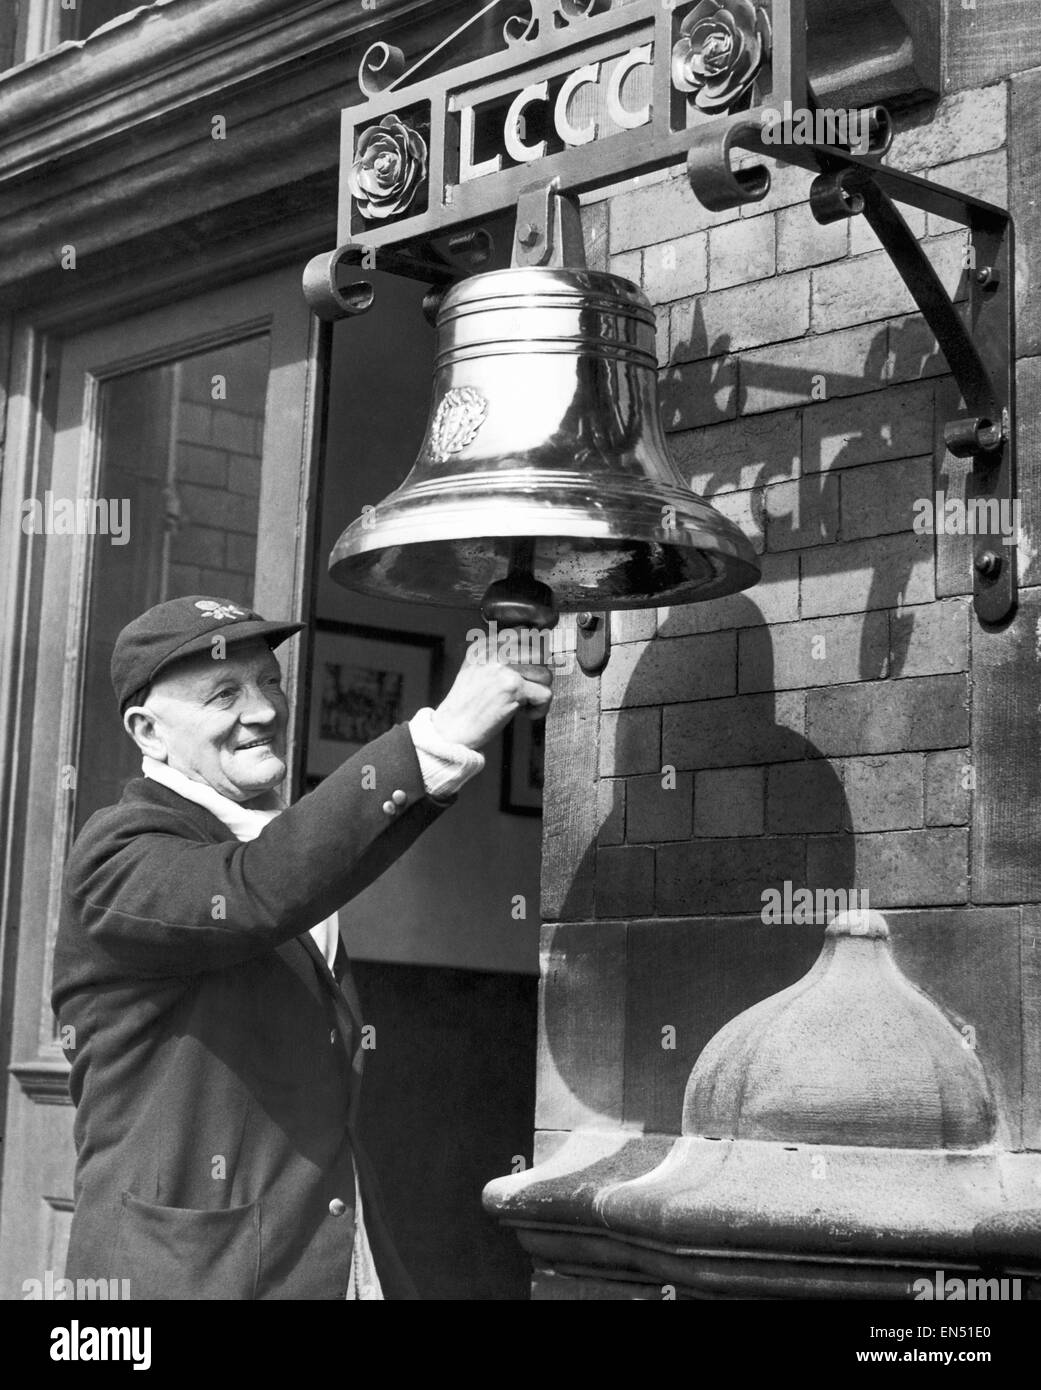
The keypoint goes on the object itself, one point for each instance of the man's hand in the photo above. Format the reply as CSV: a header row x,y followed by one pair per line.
x,y
487,693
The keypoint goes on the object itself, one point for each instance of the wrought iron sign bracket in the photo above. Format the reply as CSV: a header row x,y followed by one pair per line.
x,y
977,341
593,92
980,352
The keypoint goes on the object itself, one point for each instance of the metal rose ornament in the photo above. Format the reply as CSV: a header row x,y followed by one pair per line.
x,y
389,166
722,46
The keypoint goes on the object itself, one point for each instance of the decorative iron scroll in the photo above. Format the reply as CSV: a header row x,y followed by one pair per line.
x,y
546,16
380,68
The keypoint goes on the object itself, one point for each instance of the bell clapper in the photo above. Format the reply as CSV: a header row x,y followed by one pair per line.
x,y
519,599
520,602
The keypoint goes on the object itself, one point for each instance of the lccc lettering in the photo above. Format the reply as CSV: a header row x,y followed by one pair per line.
x,y
520,149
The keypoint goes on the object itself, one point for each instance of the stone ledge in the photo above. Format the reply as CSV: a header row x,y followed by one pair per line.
x,y
679,1211
44,1080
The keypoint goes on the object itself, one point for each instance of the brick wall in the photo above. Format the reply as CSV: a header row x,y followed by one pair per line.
x,y
820,729
801,396
217,458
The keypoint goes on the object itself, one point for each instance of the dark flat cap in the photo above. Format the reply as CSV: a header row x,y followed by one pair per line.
x,y
178,628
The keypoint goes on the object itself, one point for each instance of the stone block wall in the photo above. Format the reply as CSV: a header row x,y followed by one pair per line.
x,y
845,725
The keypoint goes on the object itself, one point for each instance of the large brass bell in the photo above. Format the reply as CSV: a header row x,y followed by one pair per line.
x,y
544,482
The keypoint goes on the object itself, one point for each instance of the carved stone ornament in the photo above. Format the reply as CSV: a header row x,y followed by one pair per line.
x,y
722,46
852,1053
840,1128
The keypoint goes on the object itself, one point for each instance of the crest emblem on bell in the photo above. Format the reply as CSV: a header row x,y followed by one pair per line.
x,y
545,463
456,421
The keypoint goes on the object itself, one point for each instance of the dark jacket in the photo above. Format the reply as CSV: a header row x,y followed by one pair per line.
x,y
215,1058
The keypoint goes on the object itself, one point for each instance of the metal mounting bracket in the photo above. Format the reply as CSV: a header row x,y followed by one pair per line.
x,y
593,642
977,341
548,229
980,353
331,300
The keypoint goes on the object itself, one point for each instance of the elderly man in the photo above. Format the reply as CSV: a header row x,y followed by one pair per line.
x,y
200,979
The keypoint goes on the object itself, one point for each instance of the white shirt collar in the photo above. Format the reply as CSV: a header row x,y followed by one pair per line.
x,y
244,822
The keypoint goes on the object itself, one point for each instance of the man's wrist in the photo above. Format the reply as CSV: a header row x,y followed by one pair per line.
x,y
443,728
446,765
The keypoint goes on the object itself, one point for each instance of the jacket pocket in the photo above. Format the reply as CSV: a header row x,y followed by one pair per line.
x,y
185,1253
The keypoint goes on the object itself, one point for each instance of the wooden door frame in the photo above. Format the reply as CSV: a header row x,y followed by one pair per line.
x,y
31,358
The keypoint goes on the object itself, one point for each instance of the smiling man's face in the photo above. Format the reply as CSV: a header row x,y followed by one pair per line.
x,y
219,722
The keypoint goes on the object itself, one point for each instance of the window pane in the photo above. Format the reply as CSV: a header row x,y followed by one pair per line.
x,y
180,461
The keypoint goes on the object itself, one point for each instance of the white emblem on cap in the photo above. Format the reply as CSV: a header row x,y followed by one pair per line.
x,y
217,611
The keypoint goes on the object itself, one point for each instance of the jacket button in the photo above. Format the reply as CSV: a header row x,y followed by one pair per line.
x,y
337,1207
389,808
399,797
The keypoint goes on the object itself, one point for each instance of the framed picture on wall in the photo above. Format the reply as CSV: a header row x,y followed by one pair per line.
x,y
523,762
364,680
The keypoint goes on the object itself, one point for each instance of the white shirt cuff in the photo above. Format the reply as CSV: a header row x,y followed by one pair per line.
x,y
446,766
